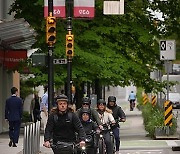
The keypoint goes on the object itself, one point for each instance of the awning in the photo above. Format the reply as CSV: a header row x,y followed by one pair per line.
x,y
16,34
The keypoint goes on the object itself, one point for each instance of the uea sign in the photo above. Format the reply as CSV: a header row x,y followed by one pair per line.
x,y
82,8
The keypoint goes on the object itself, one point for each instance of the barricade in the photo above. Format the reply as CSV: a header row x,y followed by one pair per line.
x,y
145,99
31,142
154,100
168,113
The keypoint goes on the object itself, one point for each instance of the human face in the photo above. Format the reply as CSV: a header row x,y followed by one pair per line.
x,y
111,103
85,105
85,117
62,105
101,107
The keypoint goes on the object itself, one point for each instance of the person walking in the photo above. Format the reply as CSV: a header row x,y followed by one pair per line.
x,y
119,116
62,127
44,107
131,99
13,114
35,108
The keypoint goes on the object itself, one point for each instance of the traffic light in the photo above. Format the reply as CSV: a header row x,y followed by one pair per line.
x,y
51,30
69,45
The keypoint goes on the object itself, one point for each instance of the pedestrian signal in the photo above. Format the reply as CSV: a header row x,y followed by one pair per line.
x,y
70,45
51,30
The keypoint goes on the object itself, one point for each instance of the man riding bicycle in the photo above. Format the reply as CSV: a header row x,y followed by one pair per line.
x,y
131,99
62,126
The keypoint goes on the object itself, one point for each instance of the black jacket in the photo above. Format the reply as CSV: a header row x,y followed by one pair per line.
x,y
64,129
89,126
117,112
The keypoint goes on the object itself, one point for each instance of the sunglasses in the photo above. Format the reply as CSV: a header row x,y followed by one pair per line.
x,y
85,103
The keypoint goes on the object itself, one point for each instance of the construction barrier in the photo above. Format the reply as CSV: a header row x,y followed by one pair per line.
x,y
31,142
145,99
154,100
168,113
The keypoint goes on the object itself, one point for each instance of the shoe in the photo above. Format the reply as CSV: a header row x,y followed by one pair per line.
x,y
10,143
14,145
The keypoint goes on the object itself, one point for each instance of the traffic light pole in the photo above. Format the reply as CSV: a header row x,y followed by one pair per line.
x,y
69,6
50,64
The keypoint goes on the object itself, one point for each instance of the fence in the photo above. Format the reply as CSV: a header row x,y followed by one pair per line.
x,y
31,143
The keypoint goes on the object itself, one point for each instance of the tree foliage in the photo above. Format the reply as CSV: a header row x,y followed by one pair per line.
x,y
116,49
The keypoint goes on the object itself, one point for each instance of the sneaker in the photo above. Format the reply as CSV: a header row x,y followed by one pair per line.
x,y
10,143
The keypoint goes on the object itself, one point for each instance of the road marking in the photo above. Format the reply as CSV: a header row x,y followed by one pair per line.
x,y
171,143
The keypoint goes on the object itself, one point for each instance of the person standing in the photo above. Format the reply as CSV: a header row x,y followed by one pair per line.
x,y
44,107
62,127
35,108
131,99
118,115
13,114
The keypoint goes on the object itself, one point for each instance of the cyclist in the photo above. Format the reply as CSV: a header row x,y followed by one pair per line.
x,y
90,128
131,99
62,126
118,115
107,119
86,104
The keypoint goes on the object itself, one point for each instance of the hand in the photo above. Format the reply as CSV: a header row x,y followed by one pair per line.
x,y
47,144
100,127
6,120
98,131
82,144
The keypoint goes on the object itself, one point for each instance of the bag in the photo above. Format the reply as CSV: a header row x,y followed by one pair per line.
x,y
63,148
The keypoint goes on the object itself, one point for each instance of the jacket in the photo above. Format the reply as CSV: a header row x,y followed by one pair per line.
x,y
94,115
13,108
64,129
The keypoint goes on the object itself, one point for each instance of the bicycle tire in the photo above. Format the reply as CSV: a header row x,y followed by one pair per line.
x,y
113,142
101,146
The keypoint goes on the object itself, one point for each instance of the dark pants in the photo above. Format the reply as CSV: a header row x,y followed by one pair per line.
x,y
117,137
14,130
107,139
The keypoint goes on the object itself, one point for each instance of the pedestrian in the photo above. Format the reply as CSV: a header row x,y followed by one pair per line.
x,y
13,114
44,107
132,99
35,108
86,104
107,120
62,127
118,115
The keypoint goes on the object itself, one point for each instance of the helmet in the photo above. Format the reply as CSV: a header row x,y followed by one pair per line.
x,y
61,97
86,100
101,101
111,99
85,111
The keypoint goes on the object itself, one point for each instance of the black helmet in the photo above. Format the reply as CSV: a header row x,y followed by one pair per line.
x,y
101,101
86,100
111,99
85,111
61,97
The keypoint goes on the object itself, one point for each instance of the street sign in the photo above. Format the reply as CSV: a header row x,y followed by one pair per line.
x,y
60,61
84,8
113,7
58,9
167,49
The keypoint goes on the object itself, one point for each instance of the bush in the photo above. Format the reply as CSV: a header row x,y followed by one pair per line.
x,y
26,117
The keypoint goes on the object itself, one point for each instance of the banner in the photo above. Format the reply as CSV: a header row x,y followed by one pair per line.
x,y
59,8
84,8
13,57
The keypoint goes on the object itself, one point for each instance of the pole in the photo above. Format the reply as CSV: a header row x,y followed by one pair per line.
x,y
50,64
167,63
69,7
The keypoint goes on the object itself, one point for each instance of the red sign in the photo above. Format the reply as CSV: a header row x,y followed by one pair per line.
x,y
13,57
59,9
84,8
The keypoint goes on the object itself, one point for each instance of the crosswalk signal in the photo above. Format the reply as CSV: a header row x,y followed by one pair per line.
x,y
51,30
69,45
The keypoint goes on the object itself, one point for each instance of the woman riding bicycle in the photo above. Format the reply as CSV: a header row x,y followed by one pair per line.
x,y
107,119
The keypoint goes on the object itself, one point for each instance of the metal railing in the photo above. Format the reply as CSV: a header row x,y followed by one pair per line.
x,y
31,142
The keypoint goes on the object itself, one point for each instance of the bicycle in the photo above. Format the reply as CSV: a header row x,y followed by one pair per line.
x,y
67,148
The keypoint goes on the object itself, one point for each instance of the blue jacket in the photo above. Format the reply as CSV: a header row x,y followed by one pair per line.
x,y
13,108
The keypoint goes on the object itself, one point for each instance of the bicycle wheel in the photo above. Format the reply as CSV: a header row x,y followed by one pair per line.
x,y
101,147
113,142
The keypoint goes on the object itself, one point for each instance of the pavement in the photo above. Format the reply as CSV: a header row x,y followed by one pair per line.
x,y
132,133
